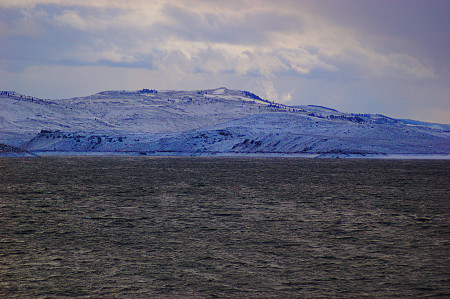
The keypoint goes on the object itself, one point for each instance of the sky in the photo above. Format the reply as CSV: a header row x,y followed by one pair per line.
x,y
362,56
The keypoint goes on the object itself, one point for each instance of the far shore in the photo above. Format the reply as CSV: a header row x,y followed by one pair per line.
x,y
227,155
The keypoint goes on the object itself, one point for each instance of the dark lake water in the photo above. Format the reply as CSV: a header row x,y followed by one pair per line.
x,y
225,227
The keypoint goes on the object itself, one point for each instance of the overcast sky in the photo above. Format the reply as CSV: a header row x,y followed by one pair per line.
x,y
363,56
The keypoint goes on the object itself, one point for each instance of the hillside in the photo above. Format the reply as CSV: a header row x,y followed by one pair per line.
x,y
147,111
206,122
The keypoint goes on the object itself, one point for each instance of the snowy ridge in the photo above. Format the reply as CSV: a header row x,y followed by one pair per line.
x,y
212,122
146,111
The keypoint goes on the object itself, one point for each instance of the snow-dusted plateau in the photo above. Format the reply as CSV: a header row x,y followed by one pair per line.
x,y
215,122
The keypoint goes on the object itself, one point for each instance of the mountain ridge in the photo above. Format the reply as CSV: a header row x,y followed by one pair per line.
x,y
212,122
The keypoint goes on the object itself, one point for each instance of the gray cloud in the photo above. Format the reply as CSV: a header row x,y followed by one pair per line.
x,y
418,27
252,27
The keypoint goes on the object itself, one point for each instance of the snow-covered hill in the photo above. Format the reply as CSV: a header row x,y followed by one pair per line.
x,y
148,111
206,122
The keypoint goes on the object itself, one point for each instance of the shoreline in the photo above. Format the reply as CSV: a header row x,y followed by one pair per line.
x,y
227,155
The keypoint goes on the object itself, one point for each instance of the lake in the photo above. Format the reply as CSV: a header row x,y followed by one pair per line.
x,y
223,227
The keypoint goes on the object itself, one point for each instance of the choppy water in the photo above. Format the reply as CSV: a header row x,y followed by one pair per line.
x,y
223,227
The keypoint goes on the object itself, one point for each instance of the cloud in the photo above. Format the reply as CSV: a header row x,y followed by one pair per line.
x,y
71,18
260,39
